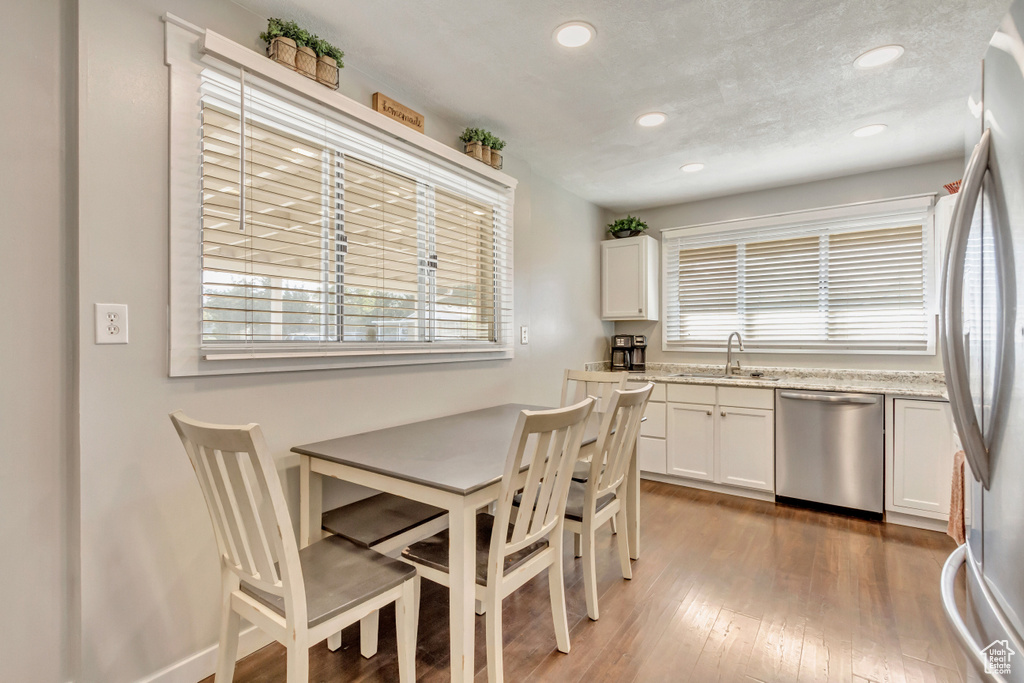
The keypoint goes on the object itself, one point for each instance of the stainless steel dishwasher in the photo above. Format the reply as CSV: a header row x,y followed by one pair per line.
x,y
829,448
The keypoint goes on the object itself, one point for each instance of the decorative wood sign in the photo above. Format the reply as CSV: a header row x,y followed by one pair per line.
x,y
387,106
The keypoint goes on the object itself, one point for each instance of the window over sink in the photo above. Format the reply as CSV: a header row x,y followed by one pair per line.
x,y
852,279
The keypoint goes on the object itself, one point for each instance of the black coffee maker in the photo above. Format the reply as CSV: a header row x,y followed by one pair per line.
x,y
622,350
638,354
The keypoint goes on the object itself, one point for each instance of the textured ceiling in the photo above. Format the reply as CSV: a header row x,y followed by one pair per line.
x,y
763,92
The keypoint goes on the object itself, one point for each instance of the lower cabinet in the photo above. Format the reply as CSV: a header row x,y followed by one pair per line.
x,y
731,445
691,441
746,447
923,444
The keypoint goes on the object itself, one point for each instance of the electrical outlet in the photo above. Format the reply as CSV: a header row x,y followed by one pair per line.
x,y
111,324
524,335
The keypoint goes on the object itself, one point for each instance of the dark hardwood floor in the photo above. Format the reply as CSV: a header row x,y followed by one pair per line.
x,y
727,589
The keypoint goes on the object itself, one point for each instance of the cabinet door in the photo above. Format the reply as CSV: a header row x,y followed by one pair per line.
x,y
746,448
651,454
923,451
691,441
623,278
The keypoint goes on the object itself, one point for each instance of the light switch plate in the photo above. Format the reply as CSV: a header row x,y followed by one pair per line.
x,y
524,335
111,324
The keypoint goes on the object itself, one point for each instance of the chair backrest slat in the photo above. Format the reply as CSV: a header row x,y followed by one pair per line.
x,y
617,437
243,492
548,442
578,384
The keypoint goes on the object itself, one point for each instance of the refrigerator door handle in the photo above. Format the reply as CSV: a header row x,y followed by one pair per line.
x,y
952,315
971,648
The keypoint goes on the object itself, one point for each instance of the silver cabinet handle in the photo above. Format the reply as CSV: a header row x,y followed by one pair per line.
x,y
952,315
947,586
830,398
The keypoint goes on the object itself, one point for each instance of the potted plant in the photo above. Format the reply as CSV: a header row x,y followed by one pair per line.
x,y
485,141
305,56
472,139
329,61
629,226
280,47
497,144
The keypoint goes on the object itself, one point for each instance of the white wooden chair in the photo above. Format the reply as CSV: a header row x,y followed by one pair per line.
x,y
298,596
512,551
578,384
601,498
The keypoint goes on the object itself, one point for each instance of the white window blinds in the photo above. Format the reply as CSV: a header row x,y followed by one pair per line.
x,y
319,232
819,283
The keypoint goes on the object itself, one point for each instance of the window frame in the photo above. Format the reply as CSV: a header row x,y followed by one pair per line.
x,y
190,50
919,207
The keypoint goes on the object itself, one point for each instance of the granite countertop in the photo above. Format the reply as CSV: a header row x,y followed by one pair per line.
x,y
894,382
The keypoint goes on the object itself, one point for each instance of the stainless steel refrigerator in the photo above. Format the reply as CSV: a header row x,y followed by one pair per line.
x,y
983,354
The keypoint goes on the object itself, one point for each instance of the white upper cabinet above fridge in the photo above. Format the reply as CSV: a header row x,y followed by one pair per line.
x,y
629,279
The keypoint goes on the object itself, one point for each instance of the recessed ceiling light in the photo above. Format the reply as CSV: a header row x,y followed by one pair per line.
x,y
655,118
574,34
880,56
691,168
866,131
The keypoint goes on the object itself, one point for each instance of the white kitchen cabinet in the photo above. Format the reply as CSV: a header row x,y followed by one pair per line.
x,y
923,444
746,447
690,438
629,279
650,454
728,439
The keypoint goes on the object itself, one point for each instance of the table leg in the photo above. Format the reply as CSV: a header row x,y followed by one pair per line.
x,y
633,506
462,575
311,502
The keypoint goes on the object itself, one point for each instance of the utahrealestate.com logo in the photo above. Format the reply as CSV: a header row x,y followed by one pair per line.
x,y
997,657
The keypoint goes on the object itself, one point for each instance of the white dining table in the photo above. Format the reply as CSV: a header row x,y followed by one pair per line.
x,y
455,463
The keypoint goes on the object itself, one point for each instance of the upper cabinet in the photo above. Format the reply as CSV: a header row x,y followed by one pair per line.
x,y
629,279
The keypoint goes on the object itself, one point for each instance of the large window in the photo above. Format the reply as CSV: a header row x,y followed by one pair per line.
x,y
322,241
853,279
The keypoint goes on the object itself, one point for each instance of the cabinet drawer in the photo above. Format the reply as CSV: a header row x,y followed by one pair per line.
x,y
691,393
743,397
651,454
654,425
657,393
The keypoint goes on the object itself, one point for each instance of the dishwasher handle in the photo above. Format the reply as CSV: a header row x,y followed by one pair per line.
x,y
830,398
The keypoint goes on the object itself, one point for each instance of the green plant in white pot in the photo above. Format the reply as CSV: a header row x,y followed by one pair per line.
x,y
630,226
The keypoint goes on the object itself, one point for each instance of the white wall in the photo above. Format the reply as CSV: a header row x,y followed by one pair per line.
x,y
35,351
895,182
149,569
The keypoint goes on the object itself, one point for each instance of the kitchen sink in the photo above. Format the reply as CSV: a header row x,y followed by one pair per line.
x,y
720,376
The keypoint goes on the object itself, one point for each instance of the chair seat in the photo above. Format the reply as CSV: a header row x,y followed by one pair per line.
x,y
378,518
574,503
339,575
581,472
433,551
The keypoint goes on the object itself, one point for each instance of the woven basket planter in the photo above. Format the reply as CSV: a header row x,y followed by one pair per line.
x,y
305,62
495,158
486,158
475,149
327,72
282,50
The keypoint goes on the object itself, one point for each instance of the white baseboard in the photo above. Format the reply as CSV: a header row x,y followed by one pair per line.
x,y
915,521
201,664
709,486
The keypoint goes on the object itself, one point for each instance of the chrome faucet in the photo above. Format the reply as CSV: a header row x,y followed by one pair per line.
x,y
731,369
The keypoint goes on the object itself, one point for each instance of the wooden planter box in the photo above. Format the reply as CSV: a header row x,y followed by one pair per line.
x,y
475,150
305,62
282,50
327,72
496,159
